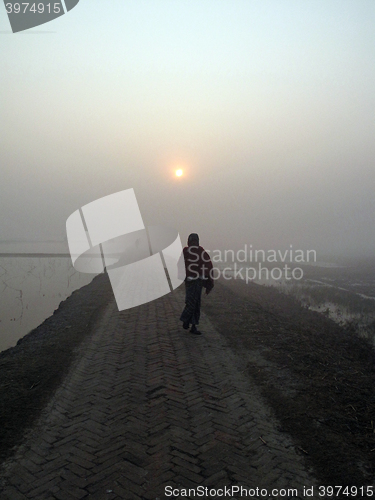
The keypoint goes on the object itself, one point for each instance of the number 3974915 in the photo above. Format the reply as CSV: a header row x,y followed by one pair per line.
x,y
36,8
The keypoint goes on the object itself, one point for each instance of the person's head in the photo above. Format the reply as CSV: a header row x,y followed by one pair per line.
x,y
193,240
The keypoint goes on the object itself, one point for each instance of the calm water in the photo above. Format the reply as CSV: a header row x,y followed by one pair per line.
x,y
31,288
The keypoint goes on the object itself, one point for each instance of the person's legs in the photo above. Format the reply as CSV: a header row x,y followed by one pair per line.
x,y
188,310
197,303
197,309
191,312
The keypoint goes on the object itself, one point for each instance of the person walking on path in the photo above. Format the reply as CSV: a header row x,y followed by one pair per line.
x,y
198,270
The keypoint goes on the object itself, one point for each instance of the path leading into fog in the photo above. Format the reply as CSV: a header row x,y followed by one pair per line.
x,y
149,405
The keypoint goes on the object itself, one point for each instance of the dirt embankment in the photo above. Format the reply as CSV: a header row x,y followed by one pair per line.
x,y
318,378
32,370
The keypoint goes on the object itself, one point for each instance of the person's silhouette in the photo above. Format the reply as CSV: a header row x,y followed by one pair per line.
x,y
198,269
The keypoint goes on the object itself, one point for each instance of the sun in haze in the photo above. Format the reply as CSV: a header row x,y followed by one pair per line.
x,y
179,172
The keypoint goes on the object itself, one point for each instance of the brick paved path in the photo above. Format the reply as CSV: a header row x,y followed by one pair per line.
x,y
148,404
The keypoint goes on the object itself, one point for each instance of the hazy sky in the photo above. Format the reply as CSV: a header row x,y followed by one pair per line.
x,y
267,105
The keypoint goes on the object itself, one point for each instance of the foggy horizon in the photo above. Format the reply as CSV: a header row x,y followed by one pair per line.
x,y
267,107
